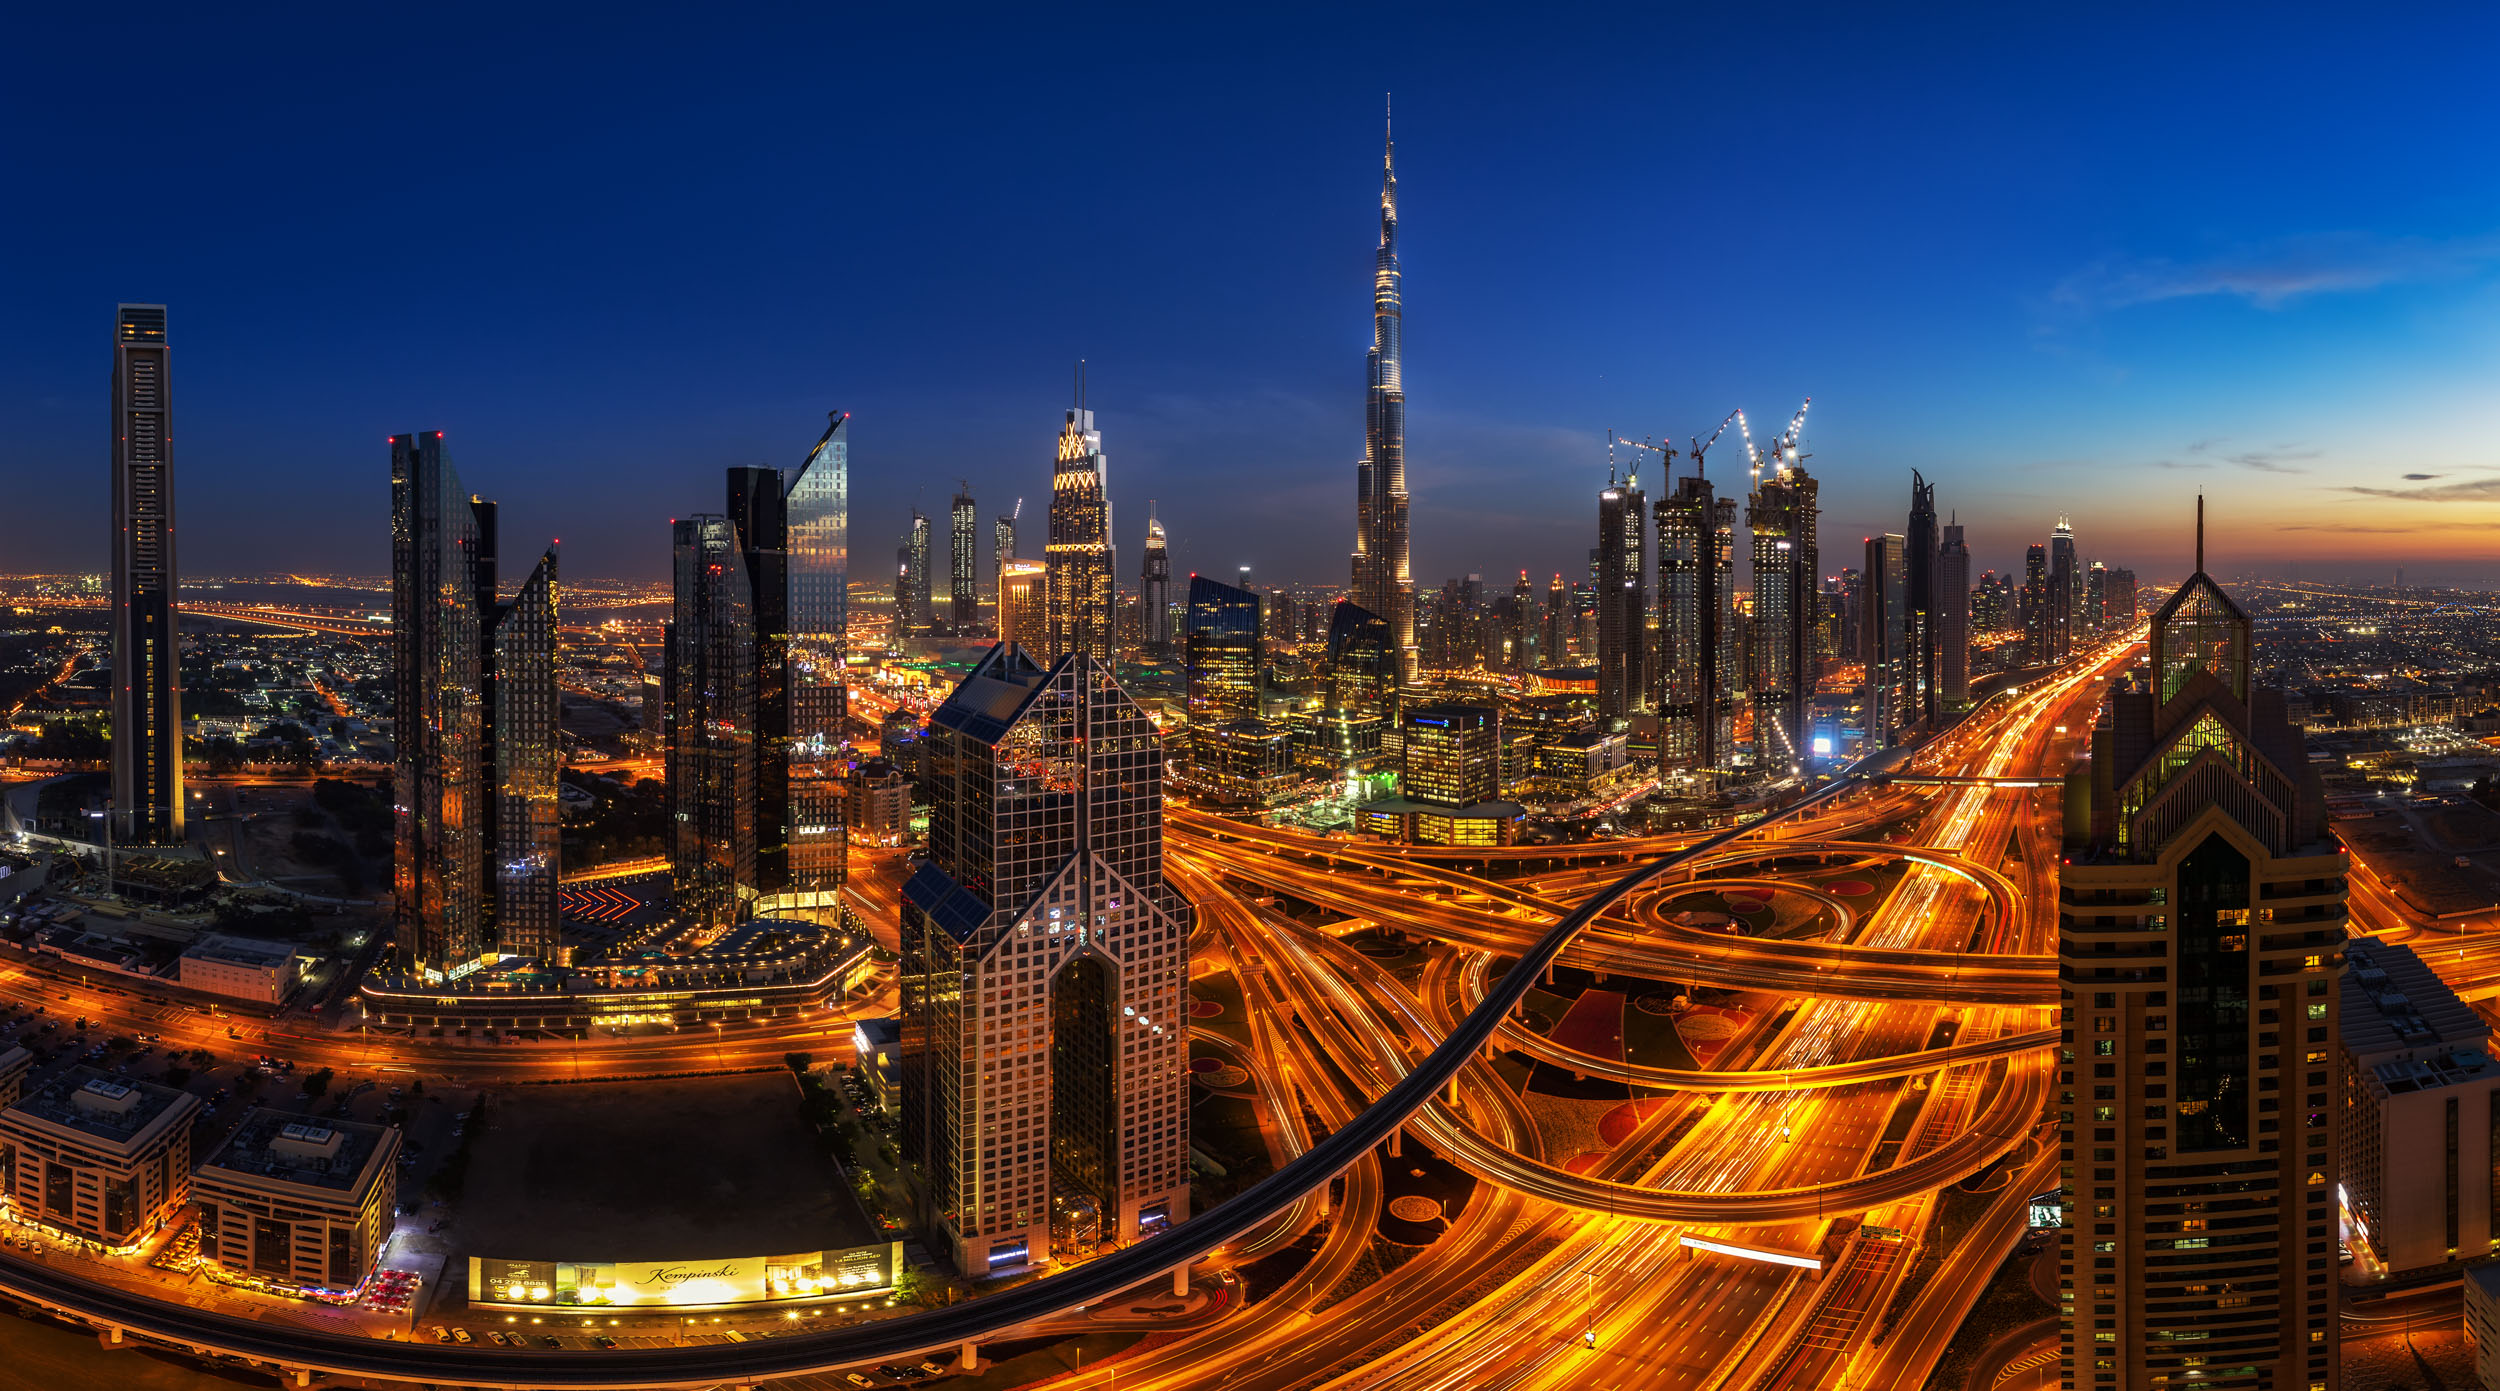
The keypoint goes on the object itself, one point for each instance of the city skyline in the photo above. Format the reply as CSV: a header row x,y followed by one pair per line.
x,y
2260,355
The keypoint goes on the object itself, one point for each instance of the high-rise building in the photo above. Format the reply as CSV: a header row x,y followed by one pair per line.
x,y
2095,597
1383,581
1557,649
1080,554
1787,612
2039,634
1623,686
1992,604
1918,553
1003,539
2118,599
817,504
2200,934
2065,591
147,660
1953,619
1154,588
963,565
1045,970
916,581
1022,599
759,518
1222,651
478,751
1886,633
1362,660
712,752
2417,1137
1700,653
1850,588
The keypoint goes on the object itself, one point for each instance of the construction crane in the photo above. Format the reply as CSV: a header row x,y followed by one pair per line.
x,y
1701,447
1784,450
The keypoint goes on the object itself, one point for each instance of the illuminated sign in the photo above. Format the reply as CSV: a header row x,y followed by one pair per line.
x,y
1753,1253
2048,1210
857,1270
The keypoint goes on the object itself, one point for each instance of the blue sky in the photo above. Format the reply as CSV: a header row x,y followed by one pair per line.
x,y
2086,263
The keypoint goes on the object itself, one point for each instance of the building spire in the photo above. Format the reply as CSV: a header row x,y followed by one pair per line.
x,y
2200,533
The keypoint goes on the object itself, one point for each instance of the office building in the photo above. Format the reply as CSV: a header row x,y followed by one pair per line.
x,y
2095,597
1045,970
1023,587
298,1203
2039,634
1362,670
759,517
1701,659
1783,515
1623,687
1222,651
963,565
147,657
712,746
2065,609
1080,556
1953,619
1450,780
1555,650
1886,635
879,811
239,968
2417,1131
817,503
1918,563
2118,599
1003,539
922,616
2201,928
99,1157
1383,581
476,739
1154,589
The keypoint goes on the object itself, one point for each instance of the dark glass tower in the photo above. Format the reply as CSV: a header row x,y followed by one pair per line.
x,y
1953,619
1787,610
712,737
1045,970
1222,651
963,564
1918,555
2065,591
760,518
1890,659
1699,653
1080,556
2039,633
474,725
1384,583
2201,898
1622,599
916,581
147,661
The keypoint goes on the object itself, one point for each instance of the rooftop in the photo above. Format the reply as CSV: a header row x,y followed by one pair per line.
x,y
2393,1004
109,1108
240,951
279,1145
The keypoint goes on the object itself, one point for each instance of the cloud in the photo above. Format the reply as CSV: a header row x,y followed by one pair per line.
x,y
2275,275
2276,460
2181,467
2422,477
2470,490
2355,530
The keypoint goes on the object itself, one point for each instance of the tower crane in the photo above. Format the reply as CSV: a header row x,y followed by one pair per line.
x,y
1701,447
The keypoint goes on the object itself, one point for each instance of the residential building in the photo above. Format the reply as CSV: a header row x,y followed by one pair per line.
x,y
99,1157
241,968
1918,565
299,1203
1623,674
147,660
1701,654
1154,589
2065,609
880,804
1023,587
963,565
2039,631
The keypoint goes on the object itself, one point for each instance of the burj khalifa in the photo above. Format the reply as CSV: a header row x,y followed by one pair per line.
x,y
1383,582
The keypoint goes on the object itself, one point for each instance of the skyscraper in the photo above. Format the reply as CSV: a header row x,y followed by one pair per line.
x,y
1885,631
712,736
2200,934
2065,591
2118,599
1022,599
1154,588
477,750
818,506
1080,555
1556,651
1222,651
2095,596
1787,610
1383,581
1362,661
759,518
916,580
1622,599
1953,619
2039,634
147,658
1003,539
1699,654
963,565
1045,970
1919,570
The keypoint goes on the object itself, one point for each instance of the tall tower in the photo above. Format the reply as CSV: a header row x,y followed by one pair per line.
x,y
1045,970
1919,566
1154,588
2065,591
1699,656
963,564
817,502
2039,634
759,519
1384,583
475,826
712,750
147,658
1953,619
1080,555
2201,934
1556,649
1003,541
916,575
1783,515
1890,660
1622,598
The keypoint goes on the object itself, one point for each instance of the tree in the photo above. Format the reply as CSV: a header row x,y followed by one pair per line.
x,y
798,1062
317,1083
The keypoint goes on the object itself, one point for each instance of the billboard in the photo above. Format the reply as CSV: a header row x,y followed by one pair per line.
x,y
2048,1210
841,1274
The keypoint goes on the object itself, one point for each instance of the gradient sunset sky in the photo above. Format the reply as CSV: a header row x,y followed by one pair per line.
x,y
2086,264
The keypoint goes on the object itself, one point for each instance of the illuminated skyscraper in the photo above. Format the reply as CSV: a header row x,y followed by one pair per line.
x,y
1700,659
1783,516
2201,896
1003,539
916,576
1886,634
1023,587
1154,588
147,661
1623,685
2039,634
1383,581
819,509
759,517
1918,559
475,826
1953,619
963,565
1557,649
1080,555
712,737
2065,591
1223,651
1045,970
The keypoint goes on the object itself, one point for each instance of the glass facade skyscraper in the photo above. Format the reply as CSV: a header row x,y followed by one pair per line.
x,y
1890,661
712,725
963,565
818,507
1623,684
1700,656
1080,556
1045,970
1221,651
1782,516
1384,582
147,660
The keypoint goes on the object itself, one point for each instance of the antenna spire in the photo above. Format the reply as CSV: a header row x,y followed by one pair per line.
x,y
2200,533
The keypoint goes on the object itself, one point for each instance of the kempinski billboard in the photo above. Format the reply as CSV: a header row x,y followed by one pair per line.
x,y
842,1274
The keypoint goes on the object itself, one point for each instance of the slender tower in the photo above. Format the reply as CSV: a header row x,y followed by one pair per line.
x,y
1383,581
1154,588
147,665
1919,565
963,564
1079,554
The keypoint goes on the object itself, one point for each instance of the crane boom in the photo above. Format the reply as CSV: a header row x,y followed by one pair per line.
x,y
1701,447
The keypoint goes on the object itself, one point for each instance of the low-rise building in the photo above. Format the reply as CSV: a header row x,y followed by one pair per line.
x,y
878,1046
1583,765
880,803
301,1204
2482,1323
2417,1133
241,968
106,1159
